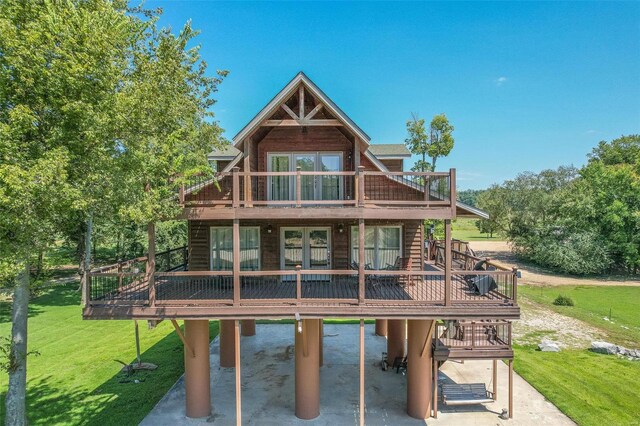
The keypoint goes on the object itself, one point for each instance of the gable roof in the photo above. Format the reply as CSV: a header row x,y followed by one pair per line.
x,y
389,150
288,91
227,152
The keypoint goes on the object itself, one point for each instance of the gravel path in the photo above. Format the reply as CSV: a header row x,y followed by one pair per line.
x,y
500,252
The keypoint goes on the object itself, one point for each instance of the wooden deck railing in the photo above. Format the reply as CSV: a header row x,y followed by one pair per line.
x,y
360,188
299,286
473,335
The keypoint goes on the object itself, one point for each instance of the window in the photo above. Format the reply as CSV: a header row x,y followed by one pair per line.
x,y
222,248
382,245
321,187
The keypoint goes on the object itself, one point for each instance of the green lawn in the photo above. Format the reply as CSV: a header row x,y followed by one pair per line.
x,y
593,304
75,379
466,230
590,388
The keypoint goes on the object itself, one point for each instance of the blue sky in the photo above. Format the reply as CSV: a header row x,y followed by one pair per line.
x,y
528,86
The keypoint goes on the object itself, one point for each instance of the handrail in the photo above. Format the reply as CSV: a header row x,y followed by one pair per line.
x,y
363,188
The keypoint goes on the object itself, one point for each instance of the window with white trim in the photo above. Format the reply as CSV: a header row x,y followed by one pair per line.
x,y
382,245
222,248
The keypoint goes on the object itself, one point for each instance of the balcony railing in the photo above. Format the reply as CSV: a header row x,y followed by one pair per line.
x,y
469,335
316,189
299,287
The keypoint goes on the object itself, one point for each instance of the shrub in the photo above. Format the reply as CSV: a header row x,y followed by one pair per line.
x,y
563,301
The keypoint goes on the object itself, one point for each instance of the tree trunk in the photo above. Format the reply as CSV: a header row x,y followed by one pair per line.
x,y
16,394
433,163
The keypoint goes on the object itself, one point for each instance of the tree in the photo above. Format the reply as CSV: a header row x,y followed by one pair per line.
x,y
492,201
437,143
101,116
441,139
417,142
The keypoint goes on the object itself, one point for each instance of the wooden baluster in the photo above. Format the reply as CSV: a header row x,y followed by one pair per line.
x,y
236,187
298,187
298,285
447,262
452,191
361,276
236,261
361,184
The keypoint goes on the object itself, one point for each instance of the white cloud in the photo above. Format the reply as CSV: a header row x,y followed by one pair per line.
x,y
500,80
591,132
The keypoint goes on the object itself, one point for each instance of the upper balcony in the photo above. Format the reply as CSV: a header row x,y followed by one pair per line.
x,y
310,194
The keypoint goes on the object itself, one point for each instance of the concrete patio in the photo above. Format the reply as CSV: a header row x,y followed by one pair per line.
x,y
268,387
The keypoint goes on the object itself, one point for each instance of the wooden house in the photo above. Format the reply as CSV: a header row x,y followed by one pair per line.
x,y
306,219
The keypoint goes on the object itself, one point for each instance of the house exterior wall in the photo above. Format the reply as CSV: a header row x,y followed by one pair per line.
x,y
393,165
199,241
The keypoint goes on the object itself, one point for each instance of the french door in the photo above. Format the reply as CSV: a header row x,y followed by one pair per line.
x,y
309,247
320,187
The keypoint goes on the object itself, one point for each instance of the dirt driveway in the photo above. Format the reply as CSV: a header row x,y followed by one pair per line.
x,y
500,252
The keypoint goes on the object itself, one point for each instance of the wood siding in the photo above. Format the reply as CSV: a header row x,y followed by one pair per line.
x,y
393,165
199,244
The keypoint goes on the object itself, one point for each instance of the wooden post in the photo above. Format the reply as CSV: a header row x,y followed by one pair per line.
x,y
495,379
238,377
361,186
361,276
515,285
248,184
362,406
119,277
453,196
298,187
435,388
356,166
298,284
151,263
447,262
181,194
236,187
321,345
381,327
510,388
236,261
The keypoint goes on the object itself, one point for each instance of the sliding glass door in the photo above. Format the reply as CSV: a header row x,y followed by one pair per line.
x,y
312,187
222,248
382,246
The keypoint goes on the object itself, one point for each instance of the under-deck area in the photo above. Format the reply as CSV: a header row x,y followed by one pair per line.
x,y
268,386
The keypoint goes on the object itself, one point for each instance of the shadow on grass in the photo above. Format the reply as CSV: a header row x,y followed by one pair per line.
x,y
123,399
61,295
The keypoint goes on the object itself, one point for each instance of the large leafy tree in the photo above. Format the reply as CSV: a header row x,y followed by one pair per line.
x,y
101,115
433,143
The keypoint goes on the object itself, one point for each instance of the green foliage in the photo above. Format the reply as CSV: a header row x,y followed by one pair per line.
x,y
576,221
441,139
563,301
438,142
469,196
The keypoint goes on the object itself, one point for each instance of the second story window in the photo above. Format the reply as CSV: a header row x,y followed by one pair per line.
x,y
313,187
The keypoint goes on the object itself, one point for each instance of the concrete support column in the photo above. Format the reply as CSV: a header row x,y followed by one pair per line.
x,y
307,353
196,368
419,368
248,327
227,344
396,336
381,327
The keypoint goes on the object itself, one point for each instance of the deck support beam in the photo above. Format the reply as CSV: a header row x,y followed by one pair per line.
x,y
447,262
248,327
435,388
510,388
236,335
227,344
361,256
419,372
495,379
307,369
396,336
381,327
196,368
362,388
